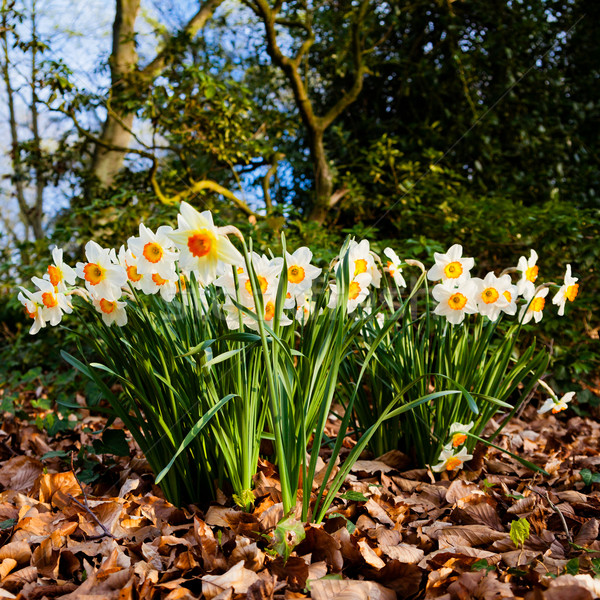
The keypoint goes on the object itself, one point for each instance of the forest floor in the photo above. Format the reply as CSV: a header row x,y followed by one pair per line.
x,y
396,531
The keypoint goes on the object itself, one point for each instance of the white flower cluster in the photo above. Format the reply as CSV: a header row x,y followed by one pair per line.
x,y
451,459
459,294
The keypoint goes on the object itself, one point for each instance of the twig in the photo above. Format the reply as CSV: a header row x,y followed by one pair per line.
x,y
556,510
85,506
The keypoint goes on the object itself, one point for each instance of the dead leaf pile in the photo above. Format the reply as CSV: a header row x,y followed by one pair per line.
x,y
399,534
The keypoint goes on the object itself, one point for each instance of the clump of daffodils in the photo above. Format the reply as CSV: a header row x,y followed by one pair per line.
x,y
454,454
458,294
161,262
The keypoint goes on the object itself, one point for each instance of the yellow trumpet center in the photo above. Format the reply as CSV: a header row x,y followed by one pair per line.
x,y
458,439
360,266
507,295
158,280
132,273
94,273
531,274
49,300
269,311
537,304
571,292
152,252
354,290
296,274
453,463
31,314
106,306
55,274
457,301
453,270
490,295
262,283
200,243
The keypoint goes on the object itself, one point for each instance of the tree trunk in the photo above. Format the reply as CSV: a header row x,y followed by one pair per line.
x,y
323,189
116,132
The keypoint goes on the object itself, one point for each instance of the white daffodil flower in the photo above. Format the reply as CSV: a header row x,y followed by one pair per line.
x,y
491,298
556,405
112,311
458,433
449,461
54,303
529,273
567,292
455,302
103,278
358,290
202,245
534,307
451,267
300,273
32,303
129,262
153,251
59,272
361,261
393,267
511,294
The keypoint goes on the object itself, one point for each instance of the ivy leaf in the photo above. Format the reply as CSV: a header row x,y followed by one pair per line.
x,y
519,532
482,565
113,442
353,495
572,567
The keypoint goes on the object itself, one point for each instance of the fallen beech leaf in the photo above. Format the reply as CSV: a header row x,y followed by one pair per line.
x,y
584,581
322,546
369,555
378,512
405,553
238,577
18,579
51,482
263,589
248,551
370,467
6,594
522,505
588,533
460,489
468,535
348,589
568,592
20,473
180,593
6,566
20,551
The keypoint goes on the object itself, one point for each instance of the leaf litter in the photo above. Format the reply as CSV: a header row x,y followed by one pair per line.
x,y
494,530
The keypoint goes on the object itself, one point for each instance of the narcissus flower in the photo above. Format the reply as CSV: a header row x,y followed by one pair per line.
x,y
32,303
362,261
556,405
358,290
491,295
202,245
153,251
568,291
451,267
455,302
458,433
54,303
534,309
450,461
511,294
529,273
103,278
59,273
300,273
392,267
129,262
112,311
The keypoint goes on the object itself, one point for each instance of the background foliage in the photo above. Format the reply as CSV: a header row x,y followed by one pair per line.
x,y
475,122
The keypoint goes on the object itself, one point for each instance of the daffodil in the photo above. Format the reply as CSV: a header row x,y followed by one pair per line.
x,y
129,262
202,245
300,273
358,290
112,311
511,294
491,295
32,303
455,302
534,309
59,273
103,278
156,284
451,267
451,461
153,251
361,261
529,273
567,292
393,267
556,405
458,433
54,303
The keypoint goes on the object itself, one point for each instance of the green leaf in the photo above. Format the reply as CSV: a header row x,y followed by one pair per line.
x,y
572,567
55,453
519,531
586,476
113,442
287,535
355,496
482,565
7,524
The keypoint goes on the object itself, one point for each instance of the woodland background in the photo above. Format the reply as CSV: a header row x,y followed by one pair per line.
x,y
416,124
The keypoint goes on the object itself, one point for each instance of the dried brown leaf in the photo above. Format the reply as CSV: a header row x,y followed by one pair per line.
x,y
347,589
20,551
404,553
238,578
20,473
